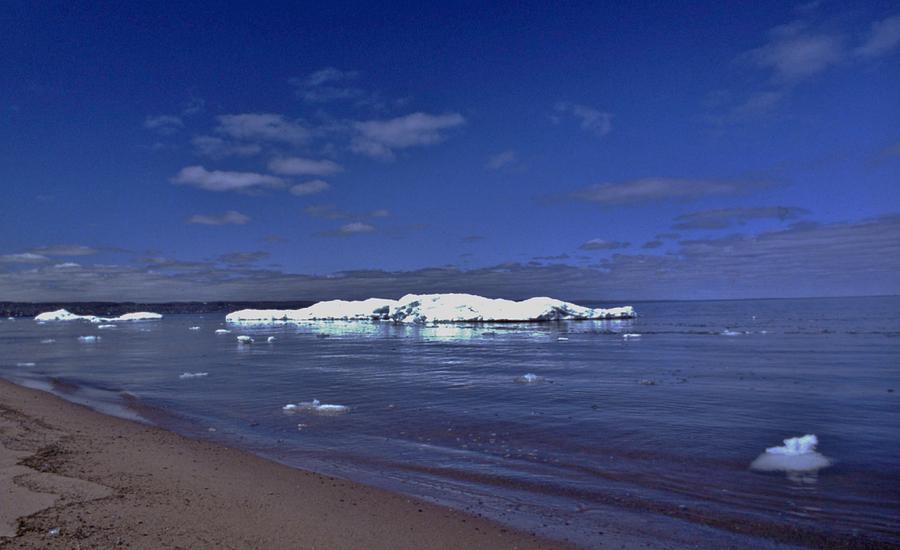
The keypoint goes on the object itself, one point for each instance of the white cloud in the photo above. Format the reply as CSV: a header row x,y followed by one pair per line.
x,y
355,228
657,189
296,166
602,244
310,188
164,124
217,148
228,218
328,84
794,52
379,138
380,213
23,258
65,250
883,37
262,127
502,159
219,180
589,119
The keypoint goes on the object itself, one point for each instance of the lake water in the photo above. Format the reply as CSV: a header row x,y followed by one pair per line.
x,y
649,435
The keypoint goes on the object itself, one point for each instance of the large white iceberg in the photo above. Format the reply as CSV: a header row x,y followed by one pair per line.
x,y
65,315
434,308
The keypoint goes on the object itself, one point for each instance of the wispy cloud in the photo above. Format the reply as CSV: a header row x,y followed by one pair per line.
x,y
297,166
164,124
380,138
328,84
589,119
883,37
660,189
230,217
220,180
310,188
349,230
603,244
23,258
243,258
65,250
722,218
263,127
502,159
794,51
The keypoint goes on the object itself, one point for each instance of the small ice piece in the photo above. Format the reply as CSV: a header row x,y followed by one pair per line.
x,y
48,341
562,339
25,364
270,339
222,331
88,339
244,340
315,407
193,328
528,379
630,335
728,332
106,326
193,375
798,454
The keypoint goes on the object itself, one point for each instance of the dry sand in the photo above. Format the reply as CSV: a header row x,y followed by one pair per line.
x,y
74,478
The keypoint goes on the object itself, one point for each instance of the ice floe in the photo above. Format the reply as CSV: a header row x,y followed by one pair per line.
x,y
434,308
798,454
48,341
529,378
193,375
630,335
106,326
315,407
193,328
728,332
270,339
244,340
65,315
222,331
26,364
88,339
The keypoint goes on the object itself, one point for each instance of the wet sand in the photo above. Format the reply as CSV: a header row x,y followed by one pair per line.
x,y
74,478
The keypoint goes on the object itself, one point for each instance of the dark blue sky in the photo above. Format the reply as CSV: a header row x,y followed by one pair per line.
x,y
159,151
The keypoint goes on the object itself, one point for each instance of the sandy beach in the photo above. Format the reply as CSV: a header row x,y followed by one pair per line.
x,y
71,477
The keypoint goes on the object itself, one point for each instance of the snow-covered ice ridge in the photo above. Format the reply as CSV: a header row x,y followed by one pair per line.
x,y
65,315
434,308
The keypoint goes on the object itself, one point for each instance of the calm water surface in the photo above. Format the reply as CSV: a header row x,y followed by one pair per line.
x,y
651,435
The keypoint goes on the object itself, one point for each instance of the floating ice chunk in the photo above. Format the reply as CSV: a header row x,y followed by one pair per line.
x,y
244,340
26,364
798,454
48,341
106,326
270,339
222,331
137,316
433,308
193,375
193,328
728,332
65,315
562,339
315,407
630,335
529,379
88,339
